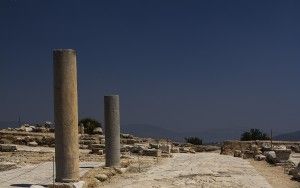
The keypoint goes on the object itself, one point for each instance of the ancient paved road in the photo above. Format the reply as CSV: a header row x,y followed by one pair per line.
x,y
198,170
40,174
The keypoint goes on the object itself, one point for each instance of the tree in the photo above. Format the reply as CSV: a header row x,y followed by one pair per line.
x,y
193,140
254,134
89,125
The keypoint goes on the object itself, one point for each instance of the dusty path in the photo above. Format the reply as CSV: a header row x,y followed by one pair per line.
x,y
275,175
38,174
198,170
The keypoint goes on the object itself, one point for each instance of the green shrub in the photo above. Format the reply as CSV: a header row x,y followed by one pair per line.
x,y
193,140
254,134
89,125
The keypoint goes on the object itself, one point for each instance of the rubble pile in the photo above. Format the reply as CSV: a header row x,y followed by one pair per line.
x,y
43,135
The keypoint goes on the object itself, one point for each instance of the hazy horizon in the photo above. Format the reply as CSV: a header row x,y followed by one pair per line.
x,y
189,66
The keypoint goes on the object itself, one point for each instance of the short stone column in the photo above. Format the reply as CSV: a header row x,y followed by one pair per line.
x,y
66,115
112,130
81,128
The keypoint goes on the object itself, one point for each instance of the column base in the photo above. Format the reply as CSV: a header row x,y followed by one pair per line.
x,y
80,184
65,180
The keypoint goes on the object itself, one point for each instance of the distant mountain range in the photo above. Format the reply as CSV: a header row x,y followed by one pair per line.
x,y
146,130
152,131
292,136
213,135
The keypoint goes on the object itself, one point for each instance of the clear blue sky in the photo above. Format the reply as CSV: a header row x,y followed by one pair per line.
x,y
183,65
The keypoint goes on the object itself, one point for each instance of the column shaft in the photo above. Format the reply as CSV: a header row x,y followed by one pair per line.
x,y
112,130
66,115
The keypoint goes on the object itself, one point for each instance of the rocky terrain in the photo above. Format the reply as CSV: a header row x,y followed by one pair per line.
x,y
276,153
27,154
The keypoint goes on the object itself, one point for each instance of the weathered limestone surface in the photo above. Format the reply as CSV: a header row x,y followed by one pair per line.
x,y
198,170
66,115
112,130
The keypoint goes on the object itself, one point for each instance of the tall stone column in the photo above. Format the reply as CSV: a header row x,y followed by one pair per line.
x,y
112,130
66,115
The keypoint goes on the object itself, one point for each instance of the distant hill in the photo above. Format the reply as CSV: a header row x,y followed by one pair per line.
x,y
214,135
146,130
152,131
292,136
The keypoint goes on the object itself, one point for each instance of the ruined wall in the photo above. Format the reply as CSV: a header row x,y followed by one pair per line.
x,y
24,138
229,146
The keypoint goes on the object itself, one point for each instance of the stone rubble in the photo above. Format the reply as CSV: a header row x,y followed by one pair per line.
x,y
295,172
260,157
8,148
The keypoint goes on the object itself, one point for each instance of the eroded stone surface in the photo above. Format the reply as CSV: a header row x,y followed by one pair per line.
x,y
38,175
198,170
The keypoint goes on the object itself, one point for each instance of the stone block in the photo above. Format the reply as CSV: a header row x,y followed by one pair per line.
x,y
32,144
165,148
255,149
295,172
129,141
97,151
4,166
260,157
184,150
166,155
127,136
8,148
282,155
248,154
98,130
120,170
102,141
266,147
175,150
295,148
137,149
101,136
270,156
154,145
83,147
152,152
126,148
205,148
80,184
101,177
97,146
280,147
237,153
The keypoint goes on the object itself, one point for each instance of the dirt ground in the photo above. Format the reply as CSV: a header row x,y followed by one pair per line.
x,y
183,170
275,175
195,170
35,155
34,165
134,165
